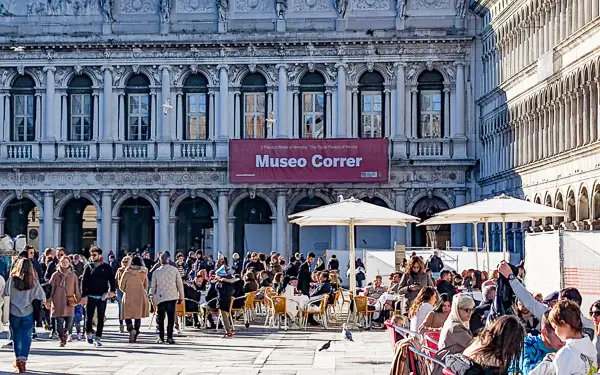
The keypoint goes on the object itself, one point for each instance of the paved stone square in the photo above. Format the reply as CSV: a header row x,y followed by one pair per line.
x,y
257,350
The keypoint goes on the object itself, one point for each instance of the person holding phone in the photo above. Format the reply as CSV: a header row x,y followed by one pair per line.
x,y
414,279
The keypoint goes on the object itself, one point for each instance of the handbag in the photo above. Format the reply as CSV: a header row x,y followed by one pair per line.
x,y
72,300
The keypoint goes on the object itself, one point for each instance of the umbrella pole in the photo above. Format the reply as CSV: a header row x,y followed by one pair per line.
x,y
352,257
504,237
487,244
476,246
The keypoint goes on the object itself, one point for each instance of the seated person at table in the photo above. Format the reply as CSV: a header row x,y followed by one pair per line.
x,y
192,299
320,289
374,292
210,306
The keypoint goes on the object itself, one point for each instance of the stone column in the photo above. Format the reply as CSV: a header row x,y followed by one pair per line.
x,y
592,122
400,132
4,130
95,114
223,208
157,235
63,134
339,129
164,132
48,240
281,221
236,110
414,113
231,232
594,9
114,240
387,115
164,219
460,142
585,116
223,120
328,113
105,240
120,133
296,123
49,126
273,234
107,95
154,132
447,124
399,233
56,236
281,126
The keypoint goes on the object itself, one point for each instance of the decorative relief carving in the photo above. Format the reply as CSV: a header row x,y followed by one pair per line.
x,y
311,5
139,6
62,8
371,4
254,6
432,4
195,6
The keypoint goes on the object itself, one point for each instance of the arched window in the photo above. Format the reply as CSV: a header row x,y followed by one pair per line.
x,y
431,86
80,109
196,107
312,120
254,108
371,123
138,108
23,109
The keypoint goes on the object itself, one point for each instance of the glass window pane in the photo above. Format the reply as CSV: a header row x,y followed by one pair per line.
x,y
144,105
260,103
249,127
19,105
426,102
30,100
260,127
249,102
319,103
377,107
202,127
308,102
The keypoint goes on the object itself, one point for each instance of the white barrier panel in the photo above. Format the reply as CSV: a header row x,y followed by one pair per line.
x,y
542,262
379,263
581,265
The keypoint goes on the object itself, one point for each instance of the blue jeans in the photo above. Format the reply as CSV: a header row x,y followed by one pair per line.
x,y
21,328
119,295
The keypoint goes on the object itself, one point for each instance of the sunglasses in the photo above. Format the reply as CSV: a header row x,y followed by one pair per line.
x,y
595,313
93,255
468,311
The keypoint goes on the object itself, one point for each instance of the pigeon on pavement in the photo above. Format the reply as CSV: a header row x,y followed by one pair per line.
x,y
325,346
347,334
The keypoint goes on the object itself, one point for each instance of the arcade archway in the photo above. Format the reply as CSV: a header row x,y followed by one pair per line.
x,y
435,235
136,225
79,229
253,228
194,228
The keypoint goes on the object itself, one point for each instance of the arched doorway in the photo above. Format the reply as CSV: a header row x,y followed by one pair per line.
x,y
537,223
136,225
79,229
548,203
23,217
253,228
584,205
431,235
367,237
596,213
194,230
571,211
307,239
560,204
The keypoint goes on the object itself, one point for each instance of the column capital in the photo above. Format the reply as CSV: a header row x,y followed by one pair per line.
x,y
106,191
164,192
152,92
282,192
414,90
223,192
50,69
106,68
48,193
399,192
165,68
341,66
459,64
223,66
284,66
400,65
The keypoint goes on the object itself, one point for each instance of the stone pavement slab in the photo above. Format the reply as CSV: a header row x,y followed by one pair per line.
x,y
255,351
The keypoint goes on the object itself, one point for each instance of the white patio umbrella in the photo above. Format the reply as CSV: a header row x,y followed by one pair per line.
x,y
500,209
351,212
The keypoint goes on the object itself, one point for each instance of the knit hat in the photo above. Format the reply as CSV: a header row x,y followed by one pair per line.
x,y
222,271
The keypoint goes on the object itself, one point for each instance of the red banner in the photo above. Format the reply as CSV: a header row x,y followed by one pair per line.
x,y
308,160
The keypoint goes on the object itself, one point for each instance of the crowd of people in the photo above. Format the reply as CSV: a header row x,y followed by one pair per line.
x,y
63,293
494,325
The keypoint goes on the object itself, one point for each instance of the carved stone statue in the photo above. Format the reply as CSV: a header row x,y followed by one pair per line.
x,y
340,7
281,9
401,8
461,8
223,6
106,7
165,11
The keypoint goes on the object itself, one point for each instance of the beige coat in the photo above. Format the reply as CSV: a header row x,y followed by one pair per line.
x,y
64,284
455,338
133,284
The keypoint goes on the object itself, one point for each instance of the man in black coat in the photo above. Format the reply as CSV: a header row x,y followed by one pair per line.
x,y
226,290
291,270
237,264
304,275
444,284
97,285
334,263
435,264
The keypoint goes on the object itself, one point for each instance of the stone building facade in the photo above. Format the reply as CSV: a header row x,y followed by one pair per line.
x,y
126,107
539,106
